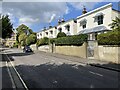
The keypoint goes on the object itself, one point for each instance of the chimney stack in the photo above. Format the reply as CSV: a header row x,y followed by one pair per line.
x,y
44,28
84,10
59,21
62,20
50,25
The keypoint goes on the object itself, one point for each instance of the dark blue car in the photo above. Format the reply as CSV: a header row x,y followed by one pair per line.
x,y
27,49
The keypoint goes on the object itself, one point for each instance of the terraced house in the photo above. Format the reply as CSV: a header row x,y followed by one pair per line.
x,y
96,21
92,23
68,27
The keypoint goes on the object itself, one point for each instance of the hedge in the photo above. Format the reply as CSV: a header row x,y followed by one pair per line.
x,y
61,34
42,41
76,40
109,38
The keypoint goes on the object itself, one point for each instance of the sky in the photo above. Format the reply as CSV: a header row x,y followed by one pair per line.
x,y
38,14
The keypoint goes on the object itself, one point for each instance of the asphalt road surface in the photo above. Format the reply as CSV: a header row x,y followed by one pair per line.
x,y
42,70
5,79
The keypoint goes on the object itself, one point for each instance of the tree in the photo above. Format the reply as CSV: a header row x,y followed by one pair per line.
x,y
23,29
22,39
61,34
7,27
31,39
25,36
115,24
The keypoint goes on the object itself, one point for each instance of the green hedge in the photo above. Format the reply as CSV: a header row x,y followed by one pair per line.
x,y
61,34
42,41
76,40
109,38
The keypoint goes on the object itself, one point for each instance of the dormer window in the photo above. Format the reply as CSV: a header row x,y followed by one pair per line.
x,y
51,32
67,27
83,23
84,26
60,29
46,33
40,34
99,18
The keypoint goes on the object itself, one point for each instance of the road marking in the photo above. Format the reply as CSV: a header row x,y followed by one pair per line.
x,y
13,84
91,86
17,73
55,82
76,67
49,69
96,73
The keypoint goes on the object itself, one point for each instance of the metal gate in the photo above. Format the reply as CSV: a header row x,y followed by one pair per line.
x,y
90,49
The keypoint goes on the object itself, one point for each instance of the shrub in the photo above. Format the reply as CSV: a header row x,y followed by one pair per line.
x,y
43,41
15,44
76,40
52,40
109,38
61,34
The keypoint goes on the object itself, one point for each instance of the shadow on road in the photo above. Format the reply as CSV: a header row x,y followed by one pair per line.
x,y
3,57
3,49
109,66
66,76
6,81
20,54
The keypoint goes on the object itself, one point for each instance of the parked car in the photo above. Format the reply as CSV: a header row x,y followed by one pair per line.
x,y
27,49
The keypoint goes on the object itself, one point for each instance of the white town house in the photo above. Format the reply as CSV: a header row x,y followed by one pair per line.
x,y
96,21
92,23
68,27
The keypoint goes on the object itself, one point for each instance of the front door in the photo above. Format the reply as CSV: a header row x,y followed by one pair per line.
x,y
90,49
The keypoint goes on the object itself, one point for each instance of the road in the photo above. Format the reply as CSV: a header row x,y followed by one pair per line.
x,y
42,70
5,79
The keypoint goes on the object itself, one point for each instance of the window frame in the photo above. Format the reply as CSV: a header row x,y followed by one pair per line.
x,y
100,19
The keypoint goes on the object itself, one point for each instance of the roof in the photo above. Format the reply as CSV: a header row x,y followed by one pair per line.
x,y
98,14
93,30
83,20
66,22
110,4
57,25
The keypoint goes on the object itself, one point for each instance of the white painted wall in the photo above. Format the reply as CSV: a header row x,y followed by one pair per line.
x,y
49,34
107,11
109,15
73,30
72,24
115,14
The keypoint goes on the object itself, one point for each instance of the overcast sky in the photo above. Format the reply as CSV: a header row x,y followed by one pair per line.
x,y
36,15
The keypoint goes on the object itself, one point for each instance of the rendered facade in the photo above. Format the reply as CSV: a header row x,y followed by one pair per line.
x,y
92,23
